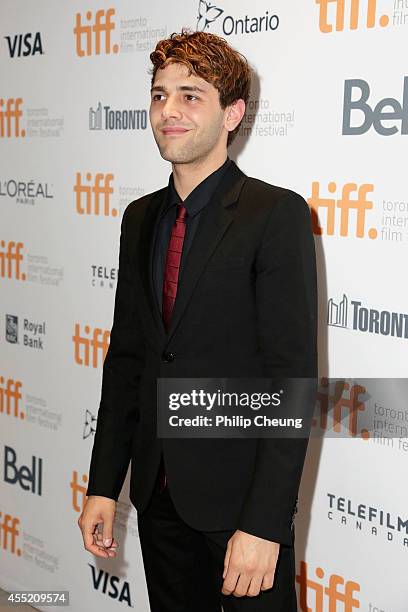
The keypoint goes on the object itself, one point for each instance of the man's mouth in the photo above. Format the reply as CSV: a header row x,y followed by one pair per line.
x,y
170,131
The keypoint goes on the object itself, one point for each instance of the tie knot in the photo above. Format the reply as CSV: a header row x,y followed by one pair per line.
x,y
181,212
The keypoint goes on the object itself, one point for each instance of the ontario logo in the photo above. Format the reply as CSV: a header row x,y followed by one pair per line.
x,y
209,14
365,319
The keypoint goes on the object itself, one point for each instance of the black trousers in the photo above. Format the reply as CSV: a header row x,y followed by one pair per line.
x,y
184,566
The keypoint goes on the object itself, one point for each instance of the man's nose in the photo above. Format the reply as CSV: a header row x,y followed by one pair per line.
x,y
171,108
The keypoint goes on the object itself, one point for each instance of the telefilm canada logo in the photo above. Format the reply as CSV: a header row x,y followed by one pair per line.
x,y
367,518
104,117
353,314
209,14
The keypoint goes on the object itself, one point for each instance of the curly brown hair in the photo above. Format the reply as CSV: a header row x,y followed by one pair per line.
x,y
210,57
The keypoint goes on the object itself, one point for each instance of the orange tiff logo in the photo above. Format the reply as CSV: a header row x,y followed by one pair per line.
x,y
78,491
90,34
88,196
353,12
9,533
95,341
345,403
10,396
337,591
10,260
344,205
10,115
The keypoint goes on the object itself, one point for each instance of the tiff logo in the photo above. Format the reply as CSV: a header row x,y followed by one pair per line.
x,y
78,491
98,344
10,396
10,260
337,591
9,533
98,27
344,402
354,10
346,204
10,118
87,197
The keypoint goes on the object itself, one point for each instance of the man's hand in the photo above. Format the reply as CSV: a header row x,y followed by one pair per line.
x,y
98,510
249,565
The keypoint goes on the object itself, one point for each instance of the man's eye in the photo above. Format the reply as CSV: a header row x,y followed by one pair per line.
x,y
157,96
191,96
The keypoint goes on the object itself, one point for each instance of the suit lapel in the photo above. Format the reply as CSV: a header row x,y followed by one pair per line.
x,y
215,219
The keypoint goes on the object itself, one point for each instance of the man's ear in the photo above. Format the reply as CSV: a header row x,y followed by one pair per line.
x,y
234,114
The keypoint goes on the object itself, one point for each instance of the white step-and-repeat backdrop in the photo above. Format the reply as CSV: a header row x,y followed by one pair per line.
x,y
328,117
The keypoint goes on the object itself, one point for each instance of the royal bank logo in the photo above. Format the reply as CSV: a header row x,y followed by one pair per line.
x,y
12,329
209,14
89,425
366,319
107,118
33,333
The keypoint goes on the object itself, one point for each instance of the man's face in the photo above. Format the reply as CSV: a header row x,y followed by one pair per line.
x,y
185,114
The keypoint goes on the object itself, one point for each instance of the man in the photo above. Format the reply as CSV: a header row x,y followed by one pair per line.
x,y
217,278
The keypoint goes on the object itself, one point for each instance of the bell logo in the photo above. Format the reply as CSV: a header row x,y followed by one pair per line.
x,y
360,91
98,344
78,491
359,204
10,260
10,396
10,115
87,200
337,591
91,33
353,9
9,533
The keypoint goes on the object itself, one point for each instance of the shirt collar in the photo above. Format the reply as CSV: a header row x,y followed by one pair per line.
x,y
201,194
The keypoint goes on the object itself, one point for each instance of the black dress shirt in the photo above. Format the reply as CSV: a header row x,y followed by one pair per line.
x,y
194,203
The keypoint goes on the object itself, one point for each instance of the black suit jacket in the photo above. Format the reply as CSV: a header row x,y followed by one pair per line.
x,y
246,306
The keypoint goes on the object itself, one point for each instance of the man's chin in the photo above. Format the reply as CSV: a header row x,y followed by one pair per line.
x,y
175,157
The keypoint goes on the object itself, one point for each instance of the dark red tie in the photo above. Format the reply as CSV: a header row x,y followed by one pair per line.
x,y
172,267
170,282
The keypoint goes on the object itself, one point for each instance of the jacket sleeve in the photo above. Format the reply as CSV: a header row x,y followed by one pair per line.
x,y
118,410
286,301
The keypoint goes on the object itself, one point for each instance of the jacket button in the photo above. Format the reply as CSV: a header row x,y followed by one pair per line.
x,y
168,357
